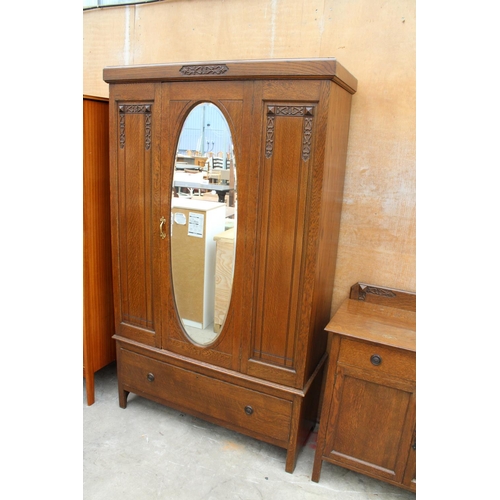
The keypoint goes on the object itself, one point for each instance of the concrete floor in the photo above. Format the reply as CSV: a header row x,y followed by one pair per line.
x,y
148,451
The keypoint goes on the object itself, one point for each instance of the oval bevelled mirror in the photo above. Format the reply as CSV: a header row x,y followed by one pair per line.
x,y
203,223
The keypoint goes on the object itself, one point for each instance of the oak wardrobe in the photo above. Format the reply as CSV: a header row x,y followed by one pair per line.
x,y
251,154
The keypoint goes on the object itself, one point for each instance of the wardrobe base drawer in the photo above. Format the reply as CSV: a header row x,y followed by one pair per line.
x,y
241,408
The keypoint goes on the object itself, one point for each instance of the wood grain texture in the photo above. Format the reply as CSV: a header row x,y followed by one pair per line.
x,y
98,346
384,325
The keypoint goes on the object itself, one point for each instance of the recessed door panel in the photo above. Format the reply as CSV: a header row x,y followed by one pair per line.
x,y
369,428
285,187
136,121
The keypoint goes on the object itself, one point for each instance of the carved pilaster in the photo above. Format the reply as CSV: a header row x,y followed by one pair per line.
x,y
270,134
306,138
122,130
148,132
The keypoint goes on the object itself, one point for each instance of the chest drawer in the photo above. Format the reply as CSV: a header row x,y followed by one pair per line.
x,y
378,358
248,410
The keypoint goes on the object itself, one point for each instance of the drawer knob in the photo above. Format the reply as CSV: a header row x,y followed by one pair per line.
x,y
376,359
248,410
151,377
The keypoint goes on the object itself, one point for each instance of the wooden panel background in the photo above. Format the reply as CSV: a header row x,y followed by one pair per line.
x,y
98,323
373,39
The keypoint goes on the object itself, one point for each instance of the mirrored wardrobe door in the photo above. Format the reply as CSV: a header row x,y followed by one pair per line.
x,y
203,165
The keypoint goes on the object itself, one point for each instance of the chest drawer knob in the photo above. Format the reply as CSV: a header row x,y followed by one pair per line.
x,y
376,359
150,377
248,410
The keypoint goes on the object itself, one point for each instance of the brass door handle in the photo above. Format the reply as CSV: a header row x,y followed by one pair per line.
x,y
162,223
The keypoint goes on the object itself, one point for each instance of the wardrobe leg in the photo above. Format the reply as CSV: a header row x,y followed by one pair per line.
x,y
89,388
122,397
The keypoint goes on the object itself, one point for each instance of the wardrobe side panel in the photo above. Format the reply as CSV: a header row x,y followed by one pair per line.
x,y
332,189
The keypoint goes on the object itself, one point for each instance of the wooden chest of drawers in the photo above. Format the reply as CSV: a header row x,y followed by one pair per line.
x,y
368,418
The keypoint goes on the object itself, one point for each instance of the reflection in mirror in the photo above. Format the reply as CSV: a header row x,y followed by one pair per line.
x,y
203,223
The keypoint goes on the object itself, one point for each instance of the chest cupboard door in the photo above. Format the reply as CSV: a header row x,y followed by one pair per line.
x,y
135,191
370,425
